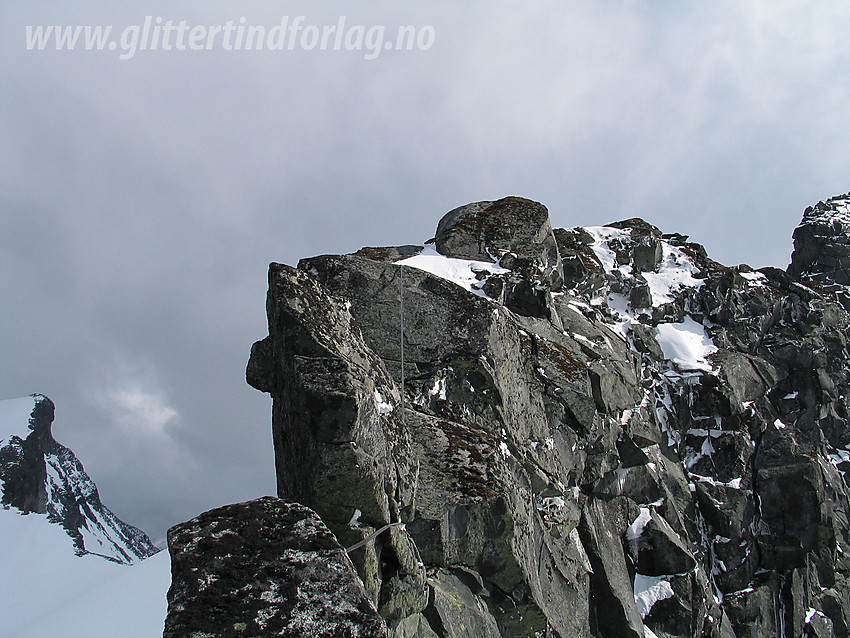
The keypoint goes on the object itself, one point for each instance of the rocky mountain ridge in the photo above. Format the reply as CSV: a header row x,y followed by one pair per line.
x,y
593,431
38,475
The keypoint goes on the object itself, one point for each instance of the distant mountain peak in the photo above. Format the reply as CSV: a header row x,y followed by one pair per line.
x,y
39,475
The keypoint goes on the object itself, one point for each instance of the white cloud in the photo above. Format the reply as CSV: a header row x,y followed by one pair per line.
x,y
131,397
139,410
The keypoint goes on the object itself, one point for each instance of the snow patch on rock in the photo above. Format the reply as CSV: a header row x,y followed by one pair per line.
x,y
686,344
649,590
466,273
675,272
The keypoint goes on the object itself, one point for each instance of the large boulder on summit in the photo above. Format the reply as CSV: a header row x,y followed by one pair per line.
x,y
514,231
264,568
596,431
485,231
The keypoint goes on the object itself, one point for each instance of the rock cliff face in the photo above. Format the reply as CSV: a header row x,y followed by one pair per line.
x,y
577,432
39,475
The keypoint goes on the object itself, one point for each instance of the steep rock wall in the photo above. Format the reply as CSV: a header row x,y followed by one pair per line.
x,y
600,431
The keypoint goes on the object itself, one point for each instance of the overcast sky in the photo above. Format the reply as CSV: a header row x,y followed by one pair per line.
x,y
141,200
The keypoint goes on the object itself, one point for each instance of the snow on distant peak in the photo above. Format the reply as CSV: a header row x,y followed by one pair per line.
x,y
466,273
44,479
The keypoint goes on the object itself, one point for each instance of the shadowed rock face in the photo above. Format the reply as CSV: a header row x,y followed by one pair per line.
x,y
22,468
608,434
264,568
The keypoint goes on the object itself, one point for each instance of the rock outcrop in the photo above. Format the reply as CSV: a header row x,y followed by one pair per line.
x,y
39,475
578,432
264,568
822,247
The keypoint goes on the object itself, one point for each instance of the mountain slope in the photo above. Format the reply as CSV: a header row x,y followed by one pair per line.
x,y
39,475
46,590
69,566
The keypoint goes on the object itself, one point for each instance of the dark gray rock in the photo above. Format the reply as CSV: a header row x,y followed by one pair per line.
x,y
661,551
640,296
646,249
822,243
442,321
647,255
789,481
644,341
756,611
542,450
582,270
23,471
264,568
458,612
616,611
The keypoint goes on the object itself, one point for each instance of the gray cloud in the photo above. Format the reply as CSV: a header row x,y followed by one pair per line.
x,y
143,199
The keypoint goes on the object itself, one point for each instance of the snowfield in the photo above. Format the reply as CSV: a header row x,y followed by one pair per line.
x,y
45,590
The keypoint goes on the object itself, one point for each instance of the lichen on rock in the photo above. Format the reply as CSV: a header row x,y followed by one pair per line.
x,y
264,568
